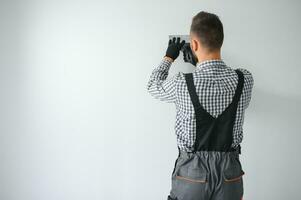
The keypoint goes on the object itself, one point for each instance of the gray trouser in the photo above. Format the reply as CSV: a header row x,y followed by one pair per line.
x,y
207,175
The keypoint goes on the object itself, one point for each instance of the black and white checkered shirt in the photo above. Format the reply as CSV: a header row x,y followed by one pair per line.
x,y
215,83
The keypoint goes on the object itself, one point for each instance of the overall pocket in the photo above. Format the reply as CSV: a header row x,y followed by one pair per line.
x,y
233,170
189,171
231,175
192,175
233,179
190,180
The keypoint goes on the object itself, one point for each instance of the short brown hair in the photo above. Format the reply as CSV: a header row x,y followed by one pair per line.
x,y
208,29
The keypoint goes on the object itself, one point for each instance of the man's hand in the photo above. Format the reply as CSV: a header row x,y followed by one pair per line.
x,y
174,47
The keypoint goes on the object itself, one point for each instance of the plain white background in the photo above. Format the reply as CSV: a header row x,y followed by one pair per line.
x,y
77,121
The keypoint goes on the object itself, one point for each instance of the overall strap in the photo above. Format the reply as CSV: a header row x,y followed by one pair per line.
x,y
237,95
239,87
192,90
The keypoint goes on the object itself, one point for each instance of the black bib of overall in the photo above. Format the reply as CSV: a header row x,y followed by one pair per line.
x,y
214,134
212,171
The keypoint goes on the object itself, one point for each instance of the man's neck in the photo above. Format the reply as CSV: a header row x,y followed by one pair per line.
x,y
212,56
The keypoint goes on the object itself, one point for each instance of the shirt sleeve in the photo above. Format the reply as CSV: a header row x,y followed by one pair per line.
x,y
159,86
248,87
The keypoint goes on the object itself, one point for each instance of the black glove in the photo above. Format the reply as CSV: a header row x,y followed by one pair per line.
x,y
174,47
188,56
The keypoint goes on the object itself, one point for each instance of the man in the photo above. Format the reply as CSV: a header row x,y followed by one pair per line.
x,y
210,105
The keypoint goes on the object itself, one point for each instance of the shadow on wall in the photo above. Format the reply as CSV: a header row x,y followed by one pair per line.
x,y
267,104
274,121
272,145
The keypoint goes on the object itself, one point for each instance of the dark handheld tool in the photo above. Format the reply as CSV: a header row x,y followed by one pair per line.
x,y
188,56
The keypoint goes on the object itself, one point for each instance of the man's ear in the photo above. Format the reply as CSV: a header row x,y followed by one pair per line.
x,y
194,45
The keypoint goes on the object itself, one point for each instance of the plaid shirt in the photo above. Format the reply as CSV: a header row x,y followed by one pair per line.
x,y
215,83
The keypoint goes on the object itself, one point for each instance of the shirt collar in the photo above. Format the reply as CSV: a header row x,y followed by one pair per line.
x,y
210,63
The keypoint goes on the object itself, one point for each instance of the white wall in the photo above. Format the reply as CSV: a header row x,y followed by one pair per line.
x,y
76,119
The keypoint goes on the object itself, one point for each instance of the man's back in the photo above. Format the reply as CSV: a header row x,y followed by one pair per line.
x,y
215,84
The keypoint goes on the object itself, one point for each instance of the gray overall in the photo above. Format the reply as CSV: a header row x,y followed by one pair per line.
x,y
212,171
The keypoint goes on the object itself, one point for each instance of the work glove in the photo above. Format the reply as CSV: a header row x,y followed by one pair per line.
x,y
174,47
188,56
